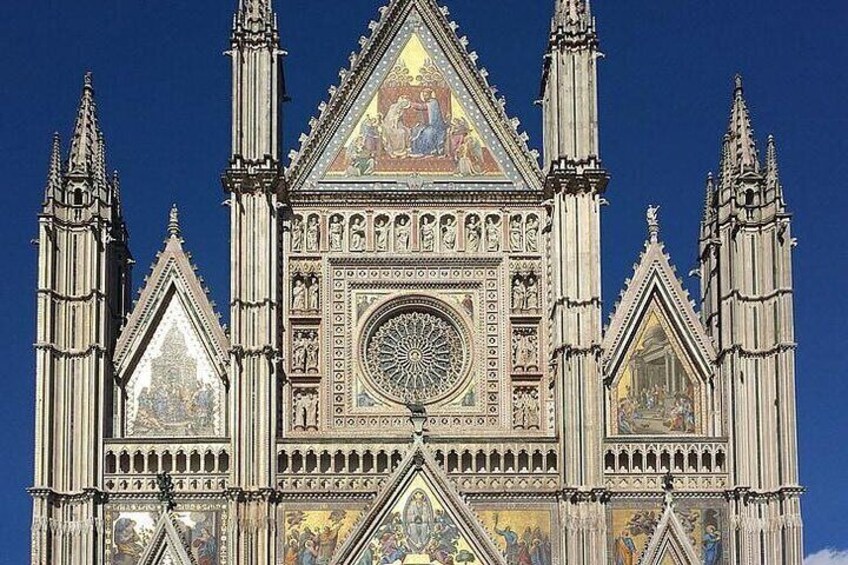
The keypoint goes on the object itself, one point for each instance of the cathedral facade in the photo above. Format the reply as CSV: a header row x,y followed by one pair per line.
x,y
416,369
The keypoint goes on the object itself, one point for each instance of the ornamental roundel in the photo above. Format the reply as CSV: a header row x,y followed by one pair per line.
x,y
415,351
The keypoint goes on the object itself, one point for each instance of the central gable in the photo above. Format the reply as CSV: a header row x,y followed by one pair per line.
x,y
414,112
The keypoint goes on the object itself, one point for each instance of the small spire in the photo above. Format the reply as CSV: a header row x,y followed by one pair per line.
x,y
774,190
709,197
84,152
653,218
743,153
574,17
54,174
174,222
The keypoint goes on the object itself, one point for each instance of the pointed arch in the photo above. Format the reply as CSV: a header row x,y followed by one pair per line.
x,y
167,546
419,500
172,355
658,359
670,543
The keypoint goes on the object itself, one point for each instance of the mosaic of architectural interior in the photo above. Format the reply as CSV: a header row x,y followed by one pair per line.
x,y
414,368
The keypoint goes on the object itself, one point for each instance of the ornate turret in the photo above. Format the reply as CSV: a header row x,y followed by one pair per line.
x,y
747,293
83,294
254,180
575,183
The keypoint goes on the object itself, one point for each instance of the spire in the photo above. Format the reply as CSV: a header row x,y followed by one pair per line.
x,y
84,151
174,222
743,151
573,17
54,174
774,190
709,197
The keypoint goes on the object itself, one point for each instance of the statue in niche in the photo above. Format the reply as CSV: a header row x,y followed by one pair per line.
x,y
493,234
449,234
525,408
532,293
472,234
402,234
297,234
312,352
357,234
336,231
525,350
305,410
299,344
519,295
299,291
314,294
313,234
532,237
428,233
381,234
516,234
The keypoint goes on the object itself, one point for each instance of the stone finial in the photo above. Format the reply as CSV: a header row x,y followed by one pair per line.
x,y
174,222
653,218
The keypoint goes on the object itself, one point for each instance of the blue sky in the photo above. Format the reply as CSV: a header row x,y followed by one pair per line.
x,y
163,90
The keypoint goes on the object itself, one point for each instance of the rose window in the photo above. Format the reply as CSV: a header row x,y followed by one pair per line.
x,y
415,355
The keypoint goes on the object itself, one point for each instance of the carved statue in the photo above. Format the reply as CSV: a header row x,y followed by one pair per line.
x,y
525,408
402,234
525,351
297,234
449,234
472,234
313,234
299,295
312,352
336,231
493,234
519,295
532,237
314,294
357,235
381,234
312,404
299,352
516,234
532,293
428,234
517,348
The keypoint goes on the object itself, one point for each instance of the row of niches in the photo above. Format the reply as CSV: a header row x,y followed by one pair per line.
x,y
453,461
417,232
665,459
156,461
526,409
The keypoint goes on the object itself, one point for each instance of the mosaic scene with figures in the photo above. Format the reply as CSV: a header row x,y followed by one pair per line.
x,y
414,365
656,394
415,124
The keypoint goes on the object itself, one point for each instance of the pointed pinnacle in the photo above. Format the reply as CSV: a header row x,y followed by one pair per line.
x,y
174,222
773,185
83,153
709,196
743,153
54,173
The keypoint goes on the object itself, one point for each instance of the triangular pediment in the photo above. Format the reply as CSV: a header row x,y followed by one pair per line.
x,y
657,357
171,357
418,518
655,288
167,546
413,112
670,543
